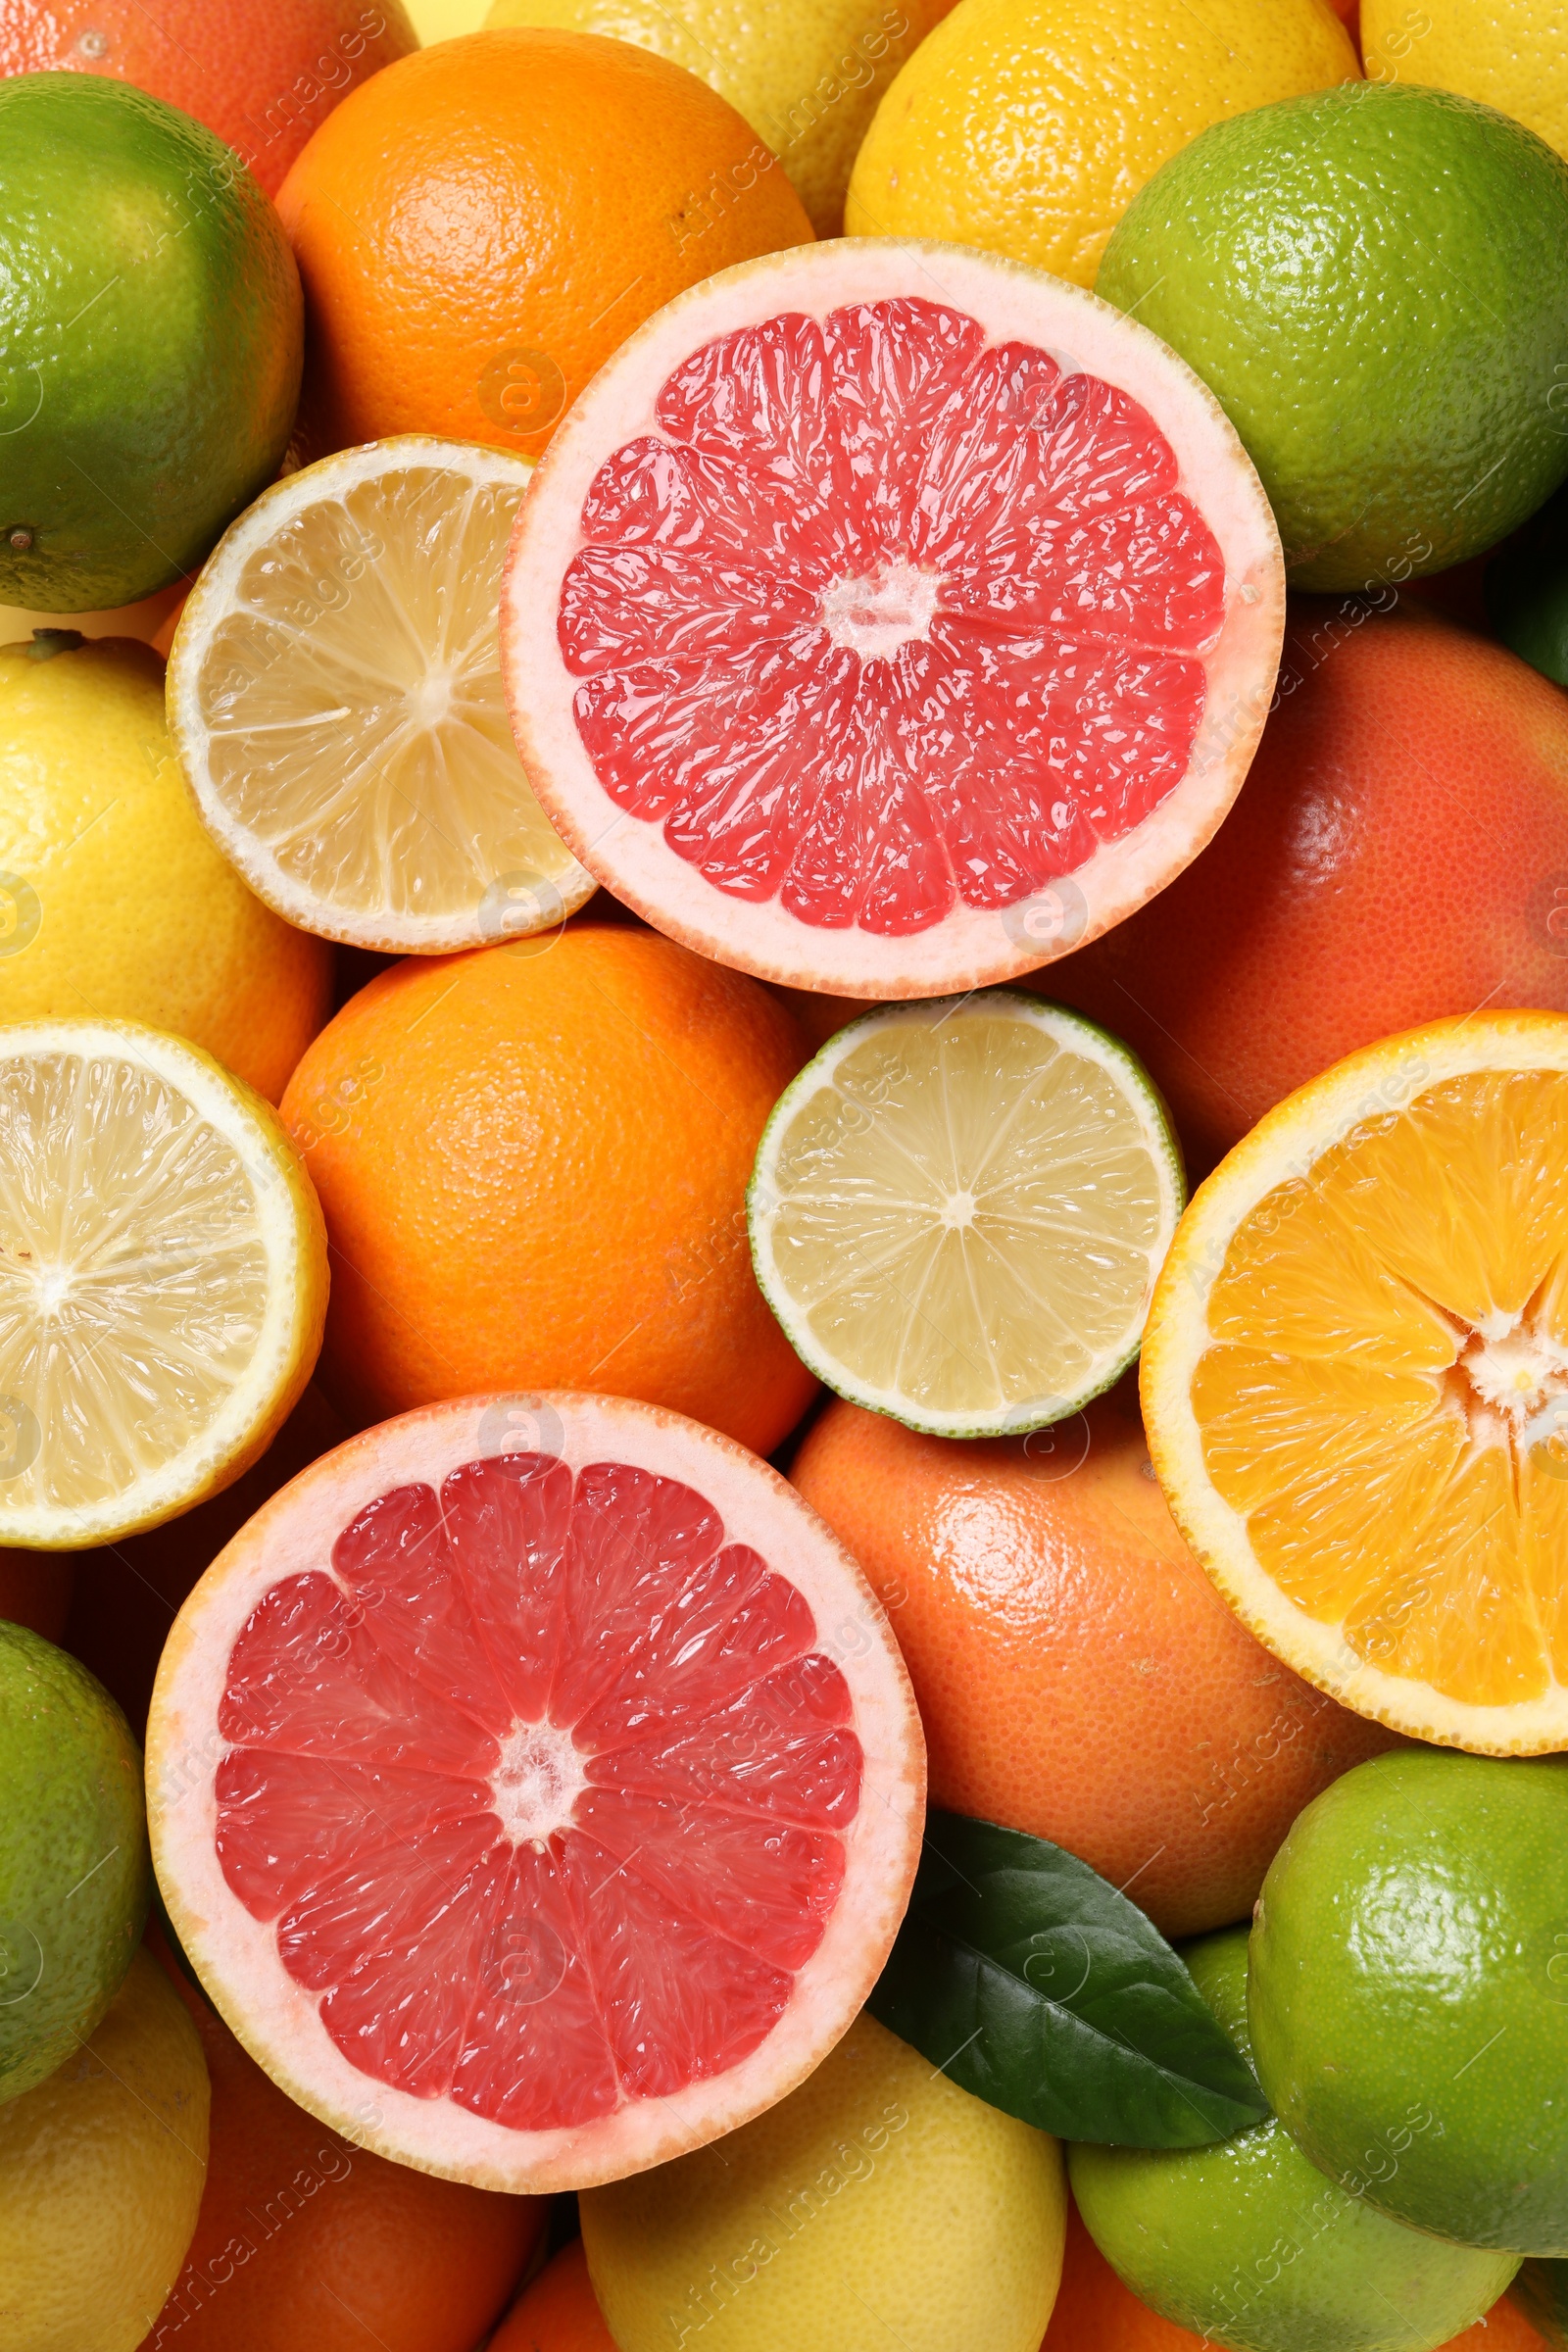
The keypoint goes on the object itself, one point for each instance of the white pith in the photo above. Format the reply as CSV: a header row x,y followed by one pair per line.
x,y
504,883
536,1785
972,945
236,1955
104,1290
1507,1384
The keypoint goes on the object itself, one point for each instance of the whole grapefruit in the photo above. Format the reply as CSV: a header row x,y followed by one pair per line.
x,y
262,73
480,227
307,2243
1077,1675
1397,853
533,1162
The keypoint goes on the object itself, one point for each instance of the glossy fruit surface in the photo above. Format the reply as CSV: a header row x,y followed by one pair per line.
x,y
1401,837
1027,126
536,1787
262,73
1408,2013
559,2313
305,2242
1373,280
875,496
879,2203
519,202
1505,53
466,1125
151,321
1052,1618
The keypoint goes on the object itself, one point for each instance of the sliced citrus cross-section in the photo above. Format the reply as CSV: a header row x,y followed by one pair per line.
x,y
890,618
1355,1381
536,1787
334,696
958,1211
163,1280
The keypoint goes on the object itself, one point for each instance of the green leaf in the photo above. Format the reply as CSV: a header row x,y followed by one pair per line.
x,y
1030,1981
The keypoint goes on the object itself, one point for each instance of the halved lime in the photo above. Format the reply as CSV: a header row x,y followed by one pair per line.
x,y
336,698
959,1207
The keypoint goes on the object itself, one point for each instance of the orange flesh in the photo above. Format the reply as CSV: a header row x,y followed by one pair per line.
x,y
1386,1397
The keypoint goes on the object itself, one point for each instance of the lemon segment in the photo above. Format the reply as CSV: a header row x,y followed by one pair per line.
x,y
1355,1382
336,698
163,1280
958,1211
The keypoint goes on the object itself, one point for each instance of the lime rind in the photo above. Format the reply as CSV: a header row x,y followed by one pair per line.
x,y
766,1195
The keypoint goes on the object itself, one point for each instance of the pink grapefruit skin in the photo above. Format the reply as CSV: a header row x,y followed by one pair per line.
x,y
889,618
536,1787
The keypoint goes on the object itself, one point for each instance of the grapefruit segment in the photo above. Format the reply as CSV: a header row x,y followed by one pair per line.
x,y
535,1815
873,595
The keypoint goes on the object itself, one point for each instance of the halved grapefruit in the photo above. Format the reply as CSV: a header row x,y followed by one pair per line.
x,y
890,618
536,1787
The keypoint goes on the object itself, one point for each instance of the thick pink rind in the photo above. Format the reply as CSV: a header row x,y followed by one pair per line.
x,y
969,948
236,1956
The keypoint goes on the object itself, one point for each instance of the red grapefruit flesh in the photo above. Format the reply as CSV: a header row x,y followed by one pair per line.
x,y
535,1815
890,618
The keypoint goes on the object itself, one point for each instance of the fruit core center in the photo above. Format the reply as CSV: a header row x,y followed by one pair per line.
x,y
537,1783
54,1288
1516,1383
875,616
430,697
958,1210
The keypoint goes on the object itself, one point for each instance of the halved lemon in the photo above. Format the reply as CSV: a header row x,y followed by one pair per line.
x,y
163,1280
958,1211
336,698
1355,1382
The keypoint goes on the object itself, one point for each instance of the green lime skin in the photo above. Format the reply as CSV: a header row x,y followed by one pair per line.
x,y
151,342
1373,281
1409,1993
75,1876
1540,2292
1248,2245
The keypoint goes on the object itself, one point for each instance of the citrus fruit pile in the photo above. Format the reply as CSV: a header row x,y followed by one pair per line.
x,y
783,1176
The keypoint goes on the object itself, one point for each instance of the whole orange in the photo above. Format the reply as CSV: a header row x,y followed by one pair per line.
x,y
1398,852
480,226
558,2313
1077,1674
307,2243
1096,2313
262,73
533,1163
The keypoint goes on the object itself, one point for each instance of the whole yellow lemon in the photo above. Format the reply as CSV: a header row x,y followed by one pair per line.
x,y
1510,54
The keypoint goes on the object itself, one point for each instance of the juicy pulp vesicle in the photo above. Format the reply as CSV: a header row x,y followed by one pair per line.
x,y
543,1788
884,620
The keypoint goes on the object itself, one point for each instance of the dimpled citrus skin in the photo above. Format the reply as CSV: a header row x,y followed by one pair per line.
x,y
1248,2245
1055,1624
127,909
101,2171
480,226
75,1875
1408,1993
807,77
1374,282
1401,836
533,1162
151,326
1028,127
1510,54
262,73
306,2243
878,2204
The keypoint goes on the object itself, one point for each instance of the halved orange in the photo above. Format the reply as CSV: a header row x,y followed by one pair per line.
x,y
1355,1381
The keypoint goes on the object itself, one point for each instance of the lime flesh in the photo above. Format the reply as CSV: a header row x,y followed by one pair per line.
x,y
151,340
1374,282
74,1874
1409,1992
1248,2245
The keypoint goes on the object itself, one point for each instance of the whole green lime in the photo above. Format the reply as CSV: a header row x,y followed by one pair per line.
x,y
1374,282
151,341
74,1874
1409,1993
1246,2244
